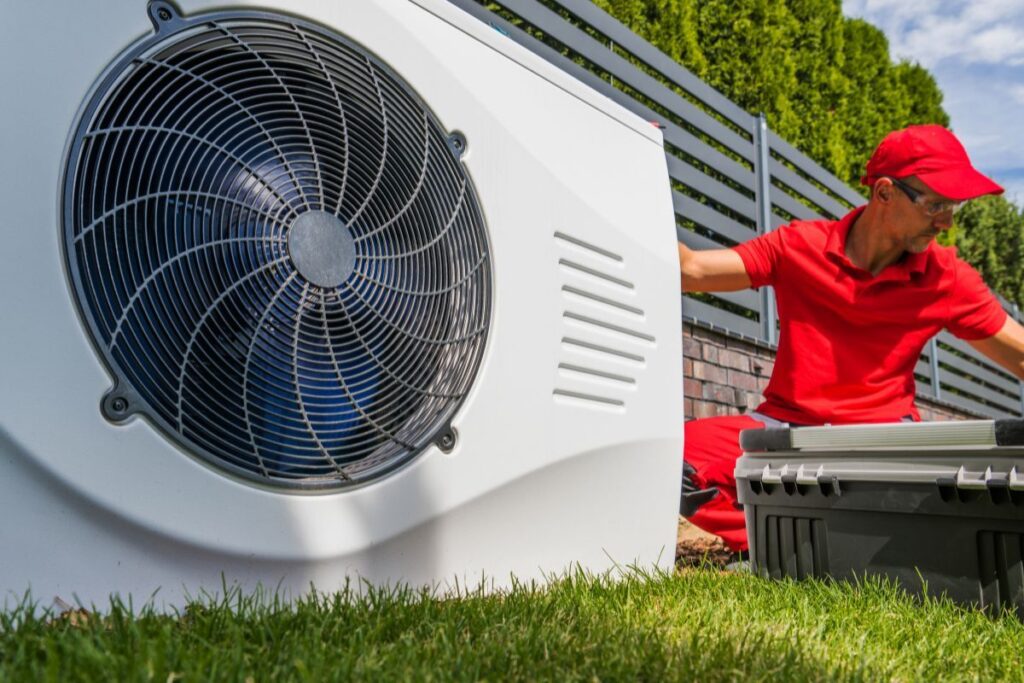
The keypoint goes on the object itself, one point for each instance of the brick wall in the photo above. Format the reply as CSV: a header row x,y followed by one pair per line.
x,y
724,374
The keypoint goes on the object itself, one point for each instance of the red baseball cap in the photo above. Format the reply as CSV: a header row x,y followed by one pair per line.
x,y
935,156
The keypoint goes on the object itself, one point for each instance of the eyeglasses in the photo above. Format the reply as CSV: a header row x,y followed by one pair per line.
x,y
931,208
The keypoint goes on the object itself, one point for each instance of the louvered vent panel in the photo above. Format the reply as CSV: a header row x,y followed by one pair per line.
x,y
604,340
793,547
276,248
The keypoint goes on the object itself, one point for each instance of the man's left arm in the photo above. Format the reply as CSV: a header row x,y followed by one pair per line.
x,y
1005,347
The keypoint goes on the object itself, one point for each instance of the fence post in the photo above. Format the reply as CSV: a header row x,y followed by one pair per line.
x,y
611,46
762,191
933,361
1020,384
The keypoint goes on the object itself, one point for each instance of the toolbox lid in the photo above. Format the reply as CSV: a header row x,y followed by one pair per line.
x,y
970,454
966,433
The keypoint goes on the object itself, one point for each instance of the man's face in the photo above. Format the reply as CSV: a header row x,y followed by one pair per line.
x,y
915,228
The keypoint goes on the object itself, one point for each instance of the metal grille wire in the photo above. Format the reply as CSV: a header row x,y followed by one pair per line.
x,y
192,161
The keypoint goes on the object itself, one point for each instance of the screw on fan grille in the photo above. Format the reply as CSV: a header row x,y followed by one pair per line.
x,y
277,251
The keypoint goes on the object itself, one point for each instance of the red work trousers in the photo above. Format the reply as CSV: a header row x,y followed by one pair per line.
x,y
712,446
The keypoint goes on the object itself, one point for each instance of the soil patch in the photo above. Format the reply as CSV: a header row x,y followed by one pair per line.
x,y
696,547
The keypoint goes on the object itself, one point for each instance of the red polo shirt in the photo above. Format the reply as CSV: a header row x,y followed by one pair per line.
x,y
849,341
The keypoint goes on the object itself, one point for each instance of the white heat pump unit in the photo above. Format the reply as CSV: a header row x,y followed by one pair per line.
x,y
303,290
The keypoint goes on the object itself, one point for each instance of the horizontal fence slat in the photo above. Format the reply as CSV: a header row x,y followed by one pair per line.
x,y
711,188
788,177
604,23
924,369
813,169
554,26
706,154
787,203
975,407
720,317
1010,386
695,241
747,298
963,347
976,391
702,214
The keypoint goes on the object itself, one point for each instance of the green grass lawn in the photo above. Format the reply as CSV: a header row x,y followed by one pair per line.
x,y
699,624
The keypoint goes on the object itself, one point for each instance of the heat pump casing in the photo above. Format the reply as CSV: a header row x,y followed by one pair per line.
x,y
568,447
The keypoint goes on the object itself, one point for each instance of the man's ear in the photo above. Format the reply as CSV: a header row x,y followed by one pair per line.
x,y
883,191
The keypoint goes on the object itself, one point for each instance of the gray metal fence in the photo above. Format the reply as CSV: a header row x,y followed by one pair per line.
x,y
732,177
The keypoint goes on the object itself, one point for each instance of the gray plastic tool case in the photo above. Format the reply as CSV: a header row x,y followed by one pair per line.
x,y
929,503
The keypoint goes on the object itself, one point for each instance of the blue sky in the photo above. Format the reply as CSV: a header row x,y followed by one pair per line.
x,y
975,50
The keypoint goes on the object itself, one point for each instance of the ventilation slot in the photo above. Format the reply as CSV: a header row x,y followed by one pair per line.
x,y
588,246
591,372
632,334
792,547
1001,571
614,353
618,306
605,277
590,400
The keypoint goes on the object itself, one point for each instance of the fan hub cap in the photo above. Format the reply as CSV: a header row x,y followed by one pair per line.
x,y
322,248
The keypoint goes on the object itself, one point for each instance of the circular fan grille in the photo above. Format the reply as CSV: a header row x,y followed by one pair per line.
x,y
276,249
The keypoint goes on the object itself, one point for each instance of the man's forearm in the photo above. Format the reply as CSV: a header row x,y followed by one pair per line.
x,y
711,270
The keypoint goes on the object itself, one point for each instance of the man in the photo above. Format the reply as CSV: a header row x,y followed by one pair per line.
x,y
858,298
